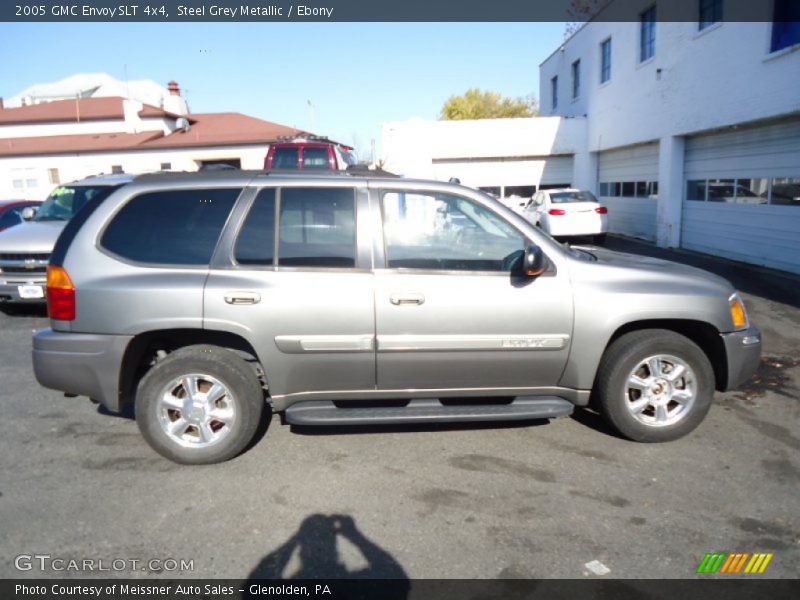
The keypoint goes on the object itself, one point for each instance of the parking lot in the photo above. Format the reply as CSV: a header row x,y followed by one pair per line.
x,y
531,500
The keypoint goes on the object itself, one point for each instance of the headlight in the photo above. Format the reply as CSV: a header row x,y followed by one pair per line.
x,y
738,312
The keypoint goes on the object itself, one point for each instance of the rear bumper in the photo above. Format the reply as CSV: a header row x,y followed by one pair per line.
x,y
85,364
743,352
583,227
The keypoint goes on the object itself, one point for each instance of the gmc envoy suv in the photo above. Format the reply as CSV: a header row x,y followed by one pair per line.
x,y
207,299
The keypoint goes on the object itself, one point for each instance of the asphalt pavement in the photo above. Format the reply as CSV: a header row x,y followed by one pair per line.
x,y
531,500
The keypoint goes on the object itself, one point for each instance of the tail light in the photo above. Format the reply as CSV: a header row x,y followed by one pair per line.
x,y
556,212
60,294
601,210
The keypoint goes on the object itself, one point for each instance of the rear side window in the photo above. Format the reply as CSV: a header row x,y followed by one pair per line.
x,y
317,227
256,242
178,227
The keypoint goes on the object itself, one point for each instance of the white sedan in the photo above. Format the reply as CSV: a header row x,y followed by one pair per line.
x,y
568,212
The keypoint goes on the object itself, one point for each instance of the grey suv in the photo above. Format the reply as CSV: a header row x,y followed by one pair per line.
x,y
25,249
206,299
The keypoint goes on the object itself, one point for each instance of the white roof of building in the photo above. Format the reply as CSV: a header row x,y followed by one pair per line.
x,y
90,85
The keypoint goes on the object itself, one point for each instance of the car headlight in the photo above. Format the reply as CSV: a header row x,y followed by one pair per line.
x,y
738,312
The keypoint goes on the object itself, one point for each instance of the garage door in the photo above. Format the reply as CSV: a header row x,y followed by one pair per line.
x,y
742,197
506,171
628,179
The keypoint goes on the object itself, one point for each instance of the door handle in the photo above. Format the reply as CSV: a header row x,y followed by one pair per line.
x,y
242,298
407,299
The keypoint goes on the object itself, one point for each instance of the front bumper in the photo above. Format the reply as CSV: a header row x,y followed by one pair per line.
x,y
10,291
743,352
84,364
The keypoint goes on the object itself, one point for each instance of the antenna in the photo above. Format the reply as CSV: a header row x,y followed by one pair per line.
x,y
311,109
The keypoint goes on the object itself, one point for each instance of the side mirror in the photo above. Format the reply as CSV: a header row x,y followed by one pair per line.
x,y
534,262
28,213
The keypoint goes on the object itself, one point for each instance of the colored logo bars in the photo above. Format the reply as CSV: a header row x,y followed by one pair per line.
x,y
732,563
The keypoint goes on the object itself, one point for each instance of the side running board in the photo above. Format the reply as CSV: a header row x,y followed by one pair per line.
x,y
426,410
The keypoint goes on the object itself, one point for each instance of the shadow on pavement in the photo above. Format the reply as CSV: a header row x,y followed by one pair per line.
x,y
312,553
411,427
23,310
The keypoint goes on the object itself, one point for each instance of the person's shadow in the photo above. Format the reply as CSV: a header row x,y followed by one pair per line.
x,y
315,547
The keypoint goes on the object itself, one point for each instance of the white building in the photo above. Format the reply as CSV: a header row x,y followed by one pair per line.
x,y
47,142
506,157
692,129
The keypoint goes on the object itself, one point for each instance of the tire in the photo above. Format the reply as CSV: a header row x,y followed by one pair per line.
x,y
599,239
677,391
199,432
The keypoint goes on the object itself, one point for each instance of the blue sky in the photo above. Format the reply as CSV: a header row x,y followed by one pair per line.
x,y
357,75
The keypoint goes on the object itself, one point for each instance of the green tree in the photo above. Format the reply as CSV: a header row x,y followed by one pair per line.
x,y
477,104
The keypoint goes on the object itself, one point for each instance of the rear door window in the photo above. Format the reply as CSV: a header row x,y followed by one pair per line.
x,y
174,227
317,228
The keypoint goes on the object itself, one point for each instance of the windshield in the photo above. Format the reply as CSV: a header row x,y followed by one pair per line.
x,y
63,203
566,197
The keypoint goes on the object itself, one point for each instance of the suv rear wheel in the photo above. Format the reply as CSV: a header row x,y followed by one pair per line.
x,y
200,405
654,385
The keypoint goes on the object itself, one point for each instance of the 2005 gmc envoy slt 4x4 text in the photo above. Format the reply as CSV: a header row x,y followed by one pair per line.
x,y
206,299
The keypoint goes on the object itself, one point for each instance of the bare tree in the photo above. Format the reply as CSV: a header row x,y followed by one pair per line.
x,y
580,11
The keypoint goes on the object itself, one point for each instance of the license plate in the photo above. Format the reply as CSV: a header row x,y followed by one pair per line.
x,y
30,291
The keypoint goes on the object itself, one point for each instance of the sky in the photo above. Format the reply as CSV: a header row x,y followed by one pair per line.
x,y
355,75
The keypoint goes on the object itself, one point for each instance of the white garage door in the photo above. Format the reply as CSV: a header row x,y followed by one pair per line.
x,y
742,197
628,179
511,172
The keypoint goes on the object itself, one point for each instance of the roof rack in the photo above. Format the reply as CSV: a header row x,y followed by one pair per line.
x,y
302,137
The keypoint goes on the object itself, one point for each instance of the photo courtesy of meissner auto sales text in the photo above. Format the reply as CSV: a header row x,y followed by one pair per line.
x,y
400,300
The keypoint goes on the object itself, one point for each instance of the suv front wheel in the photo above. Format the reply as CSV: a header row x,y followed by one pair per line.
x,y
654,385
199,405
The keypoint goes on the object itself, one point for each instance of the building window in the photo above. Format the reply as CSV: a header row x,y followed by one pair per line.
x,y
166,166
554,91
710,13
605,61
785,25
53,175
780,191
629,189
116,169
24,179
519,191
647,37
576,79
785,191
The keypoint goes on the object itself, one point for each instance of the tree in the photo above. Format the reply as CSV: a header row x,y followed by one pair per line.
x,y
580,12
477,104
